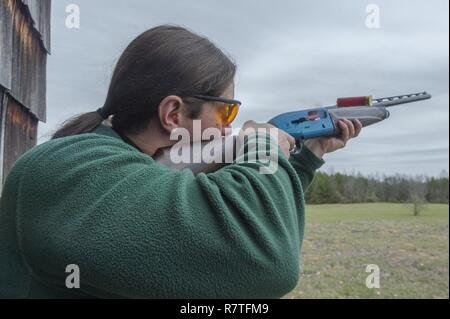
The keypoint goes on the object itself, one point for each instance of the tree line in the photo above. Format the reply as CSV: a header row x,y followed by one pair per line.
x,y
341,188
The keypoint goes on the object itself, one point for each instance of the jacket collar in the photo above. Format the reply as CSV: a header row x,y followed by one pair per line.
x,y
107,130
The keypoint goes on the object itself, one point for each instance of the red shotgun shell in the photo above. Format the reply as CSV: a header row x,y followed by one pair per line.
x,y
354,101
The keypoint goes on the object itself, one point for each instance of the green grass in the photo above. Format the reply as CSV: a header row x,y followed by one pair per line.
x,y
412,252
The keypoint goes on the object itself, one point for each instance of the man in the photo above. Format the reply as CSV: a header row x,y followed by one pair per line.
x,y
94,202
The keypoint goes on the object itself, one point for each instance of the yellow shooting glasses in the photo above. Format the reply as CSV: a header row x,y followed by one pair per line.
x,y
227,112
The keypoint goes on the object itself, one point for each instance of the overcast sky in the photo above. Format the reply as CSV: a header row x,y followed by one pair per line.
x,y
291,55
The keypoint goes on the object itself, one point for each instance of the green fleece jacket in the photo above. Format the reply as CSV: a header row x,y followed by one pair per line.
x,y
137,229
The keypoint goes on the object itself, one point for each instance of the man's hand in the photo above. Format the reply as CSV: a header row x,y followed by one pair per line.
x,y
285,141
322,145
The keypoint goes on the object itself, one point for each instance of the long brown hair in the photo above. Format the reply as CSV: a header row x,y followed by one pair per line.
x,y
163,61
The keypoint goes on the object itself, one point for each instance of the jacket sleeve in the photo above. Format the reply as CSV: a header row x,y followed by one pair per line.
x,y
139,230
305,164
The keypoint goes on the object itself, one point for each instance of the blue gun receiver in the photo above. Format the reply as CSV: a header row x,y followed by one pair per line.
x,y
321,122
306,124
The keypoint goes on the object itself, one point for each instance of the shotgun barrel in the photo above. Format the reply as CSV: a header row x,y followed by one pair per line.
x,y
401,99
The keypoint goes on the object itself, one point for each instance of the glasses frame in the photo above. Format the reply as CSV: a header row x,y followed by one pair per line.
x,y
217,99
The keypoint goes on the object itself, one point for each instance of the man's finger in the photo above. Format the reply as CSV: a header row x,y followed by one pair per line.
x,y
287,137
351,128
345,133
358,127
286,148
291,140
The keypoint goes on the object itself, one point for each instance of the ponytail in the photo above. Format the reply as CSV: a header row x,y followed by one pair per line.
x,y
79,124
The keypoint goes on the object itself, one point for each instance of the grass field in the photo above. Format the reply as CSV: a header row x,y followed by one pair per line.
x,y
412,252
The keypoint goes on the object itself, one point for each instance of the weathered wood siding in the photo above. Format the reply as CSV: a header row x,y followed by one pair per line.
x,y
24,45
20,133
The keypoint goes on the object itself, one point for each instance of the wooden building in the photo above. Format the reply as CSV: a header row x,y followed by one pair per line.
x,y
24,46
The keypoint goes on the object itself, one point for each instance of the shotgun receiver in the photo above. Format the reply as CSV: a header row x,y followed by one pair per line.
x,y
311,123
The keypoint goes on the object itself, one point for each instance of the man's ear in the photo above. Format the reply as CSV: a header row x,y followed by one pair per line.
x,y
169,111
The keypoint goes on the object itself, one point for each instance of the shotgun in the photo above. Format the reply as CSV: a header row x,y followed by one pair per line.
x,y
303,125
